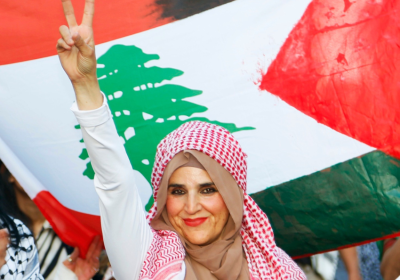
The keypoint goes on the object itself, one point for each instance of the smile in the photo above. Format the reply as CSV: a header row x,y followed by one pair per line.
x,y
194,222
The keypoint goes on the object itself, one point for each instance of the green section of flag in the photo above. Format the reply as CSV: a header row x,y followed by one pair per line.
x,y
145,109
351,202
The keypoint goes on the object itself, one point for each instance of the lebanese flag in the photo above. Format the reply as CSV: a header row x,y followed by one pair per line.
x,y
250,66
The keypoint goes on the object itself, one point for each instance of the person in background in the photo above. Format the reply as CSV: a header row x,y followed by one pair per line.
x,y
306,265
390,256
350,260
354,263
368,255
18,253
361,262
54,258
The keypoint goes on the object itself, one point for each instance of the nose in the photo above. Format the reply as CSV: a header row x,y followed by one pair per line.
x,y
193,204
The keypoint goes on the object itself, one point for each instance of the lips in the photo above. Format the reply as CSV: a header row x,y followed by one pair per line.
x,y
194,222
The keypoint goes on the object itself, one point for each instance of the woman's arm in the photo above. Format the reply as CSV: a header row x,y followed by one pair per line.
x,y
76,51
390,265
127,236
350,260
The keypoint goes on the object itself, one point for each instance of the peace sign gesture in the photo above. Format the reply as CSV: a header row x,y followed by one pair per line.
x,y
76,51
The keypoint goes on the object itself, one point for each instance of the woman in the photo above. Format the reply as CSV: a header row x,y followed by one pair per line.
x,y
52,252
203,225
18,254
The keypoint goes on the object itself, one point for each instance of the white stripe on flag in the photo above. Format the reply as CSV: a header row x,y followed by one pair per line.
x,y
19,171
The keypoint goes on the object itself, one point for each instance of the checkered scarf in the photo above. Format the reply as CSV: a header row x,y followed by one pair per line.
x,y
164,258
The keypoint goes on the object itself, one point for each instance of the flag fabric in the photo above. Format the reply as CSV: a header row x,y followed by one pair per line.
x,y
306,106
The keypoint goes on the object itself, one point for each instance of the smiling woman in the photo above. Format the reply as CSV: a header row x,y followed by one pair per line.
x,y
195,208
203,224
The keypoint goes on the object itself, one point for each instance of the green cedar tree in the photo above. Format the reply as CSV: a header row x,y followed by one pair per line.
x,y
144,110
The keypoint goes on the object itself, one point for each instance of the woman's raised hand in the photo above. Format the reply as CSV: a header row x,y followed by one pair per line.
x,y
76,51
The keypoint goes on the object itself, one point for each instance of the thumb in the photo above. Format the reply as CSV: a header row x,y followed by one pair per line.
x,y
84,48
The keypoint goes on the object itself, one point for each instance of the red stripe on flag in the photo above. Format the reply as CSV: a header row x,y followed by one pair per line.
x,y
74,228
29,29
341,66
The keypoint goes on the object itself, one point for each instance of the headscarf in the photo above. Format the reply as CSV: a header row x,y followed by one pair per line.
x,y
167,251
223,259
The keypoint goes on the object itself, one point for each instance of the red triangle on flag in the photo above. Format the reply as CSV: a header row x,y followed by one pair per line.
x,y
340,65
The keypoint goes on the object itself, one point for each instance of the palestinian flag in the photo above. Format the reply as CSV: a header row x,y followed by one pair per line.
x,y
309,88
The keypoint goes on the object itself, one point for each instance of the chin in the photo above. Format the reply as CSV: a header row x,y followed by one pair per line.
x,y
199,242
197,239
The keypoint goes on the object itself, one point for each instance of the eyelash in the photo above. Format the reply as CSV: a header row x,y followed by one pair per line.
x,y
208,190
211,190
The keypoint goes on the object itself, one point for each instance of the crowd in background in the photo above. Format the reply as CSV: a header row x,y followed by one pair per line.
x,y
28,242
29,245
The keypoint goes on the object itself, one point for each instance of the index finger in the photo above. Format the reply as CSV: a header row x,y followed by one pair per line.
x,y
88,13
69,12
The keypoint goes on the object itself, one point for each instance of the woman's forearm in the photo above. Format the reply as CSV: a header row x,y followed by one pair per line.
x,y
390,265
87,92
127,235
350,260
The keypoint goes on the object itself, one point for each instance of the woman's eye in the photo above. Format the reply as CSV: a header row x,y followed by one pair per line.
x,y
208,190
178,192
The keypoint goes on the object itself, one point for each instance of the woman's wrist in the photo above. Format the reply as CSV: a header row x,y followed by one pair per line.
x,y
87,92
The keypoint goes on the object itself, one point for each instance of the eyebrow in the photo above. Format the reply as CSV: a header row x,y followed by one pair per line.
x,y
175,186
207,184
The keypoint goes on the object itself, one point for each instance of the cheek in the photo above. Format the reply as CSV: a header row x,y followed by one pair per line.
x,y
174,205
217,207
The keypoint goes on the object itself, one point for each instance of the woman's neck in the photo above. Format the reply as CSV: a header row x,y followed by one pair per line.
x,y
29,208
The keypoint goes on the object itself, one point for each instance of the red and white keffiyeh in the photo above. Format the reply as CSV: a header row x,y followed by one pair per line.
x,y
265,260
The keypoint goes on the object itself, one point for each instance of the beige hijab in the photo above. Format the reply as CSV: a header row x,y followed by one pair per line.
x,y
223,259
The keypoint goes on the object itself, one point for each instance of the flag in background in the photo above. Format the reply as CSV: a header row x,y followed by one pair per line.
x,y
265,70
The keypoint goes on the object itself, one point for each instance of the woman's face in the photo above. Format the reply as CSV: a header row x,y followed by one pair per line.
x,y
195,207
